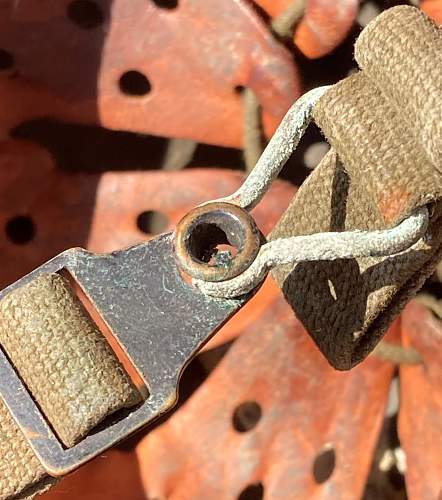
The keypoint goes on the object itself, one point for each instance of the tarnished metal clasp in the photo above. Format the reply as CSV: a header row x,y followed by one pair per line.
x,y
158,319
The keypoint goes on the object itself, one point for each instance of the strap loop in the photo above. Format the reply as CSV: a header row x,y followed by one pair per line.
x,y
376,174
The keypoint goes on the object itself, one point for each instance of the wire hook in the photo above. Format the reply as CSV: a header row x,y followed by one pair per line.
x,y
321,246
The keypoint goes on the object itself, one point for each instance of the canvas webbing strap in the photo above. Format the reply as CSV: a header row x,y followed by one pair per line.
x,y
68,367
385,128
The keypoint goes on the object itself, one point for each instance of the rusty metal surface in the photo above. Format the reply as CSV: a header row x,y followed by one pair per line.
x,y
272,412
122,65
324,25
420,417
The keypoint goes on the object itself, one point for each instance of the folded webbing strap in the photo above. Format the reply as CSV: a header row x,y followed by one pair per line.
x,y
384,125
69,369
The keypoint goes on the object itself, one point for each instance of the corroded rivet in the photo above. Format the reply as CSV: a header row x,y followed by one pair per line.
x,y
200,234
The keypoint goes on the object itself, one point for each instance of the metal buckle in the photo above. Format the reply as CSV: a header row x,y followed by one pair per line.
x,y
158,319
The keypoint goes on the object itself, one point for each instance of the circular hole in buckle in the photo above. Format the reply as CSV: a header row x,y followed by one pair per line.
x,y
216,242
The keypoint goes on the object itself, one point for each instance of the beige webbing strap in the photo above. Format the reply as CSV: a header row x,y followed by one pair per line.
x,y
69,369
385,128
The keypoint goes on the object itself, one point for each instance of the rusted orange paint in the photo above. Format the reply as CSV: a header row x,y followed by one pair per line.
x,y
69,73
324,26
248,315
112,476
434,9
306,405
420,417
393,203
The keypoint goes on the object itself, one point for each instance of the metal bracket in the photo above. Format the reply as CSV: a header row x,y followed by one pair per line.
x,y
159,320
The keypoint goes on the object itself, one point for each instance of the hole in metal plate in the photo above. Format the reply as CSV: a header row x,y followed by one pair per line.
x,y
246,416
134,83
252,492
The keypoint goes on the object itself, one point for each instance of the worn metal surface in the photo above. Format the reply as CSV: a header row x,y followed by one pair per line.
x,y
323,27
420,416
273,411
122,65
44,210
199,233
158,319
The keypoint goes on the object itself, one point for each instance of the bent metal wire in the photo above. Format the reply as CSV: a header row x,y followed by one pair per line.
x,y
322,246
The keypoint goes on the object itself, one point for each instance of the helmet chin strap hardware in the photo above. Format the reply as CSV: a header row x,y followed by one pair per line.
x,y
315,247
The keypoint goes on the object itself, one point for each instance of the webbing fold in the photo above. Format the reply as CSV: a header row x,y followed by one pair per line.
x,y
381,167
68,367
